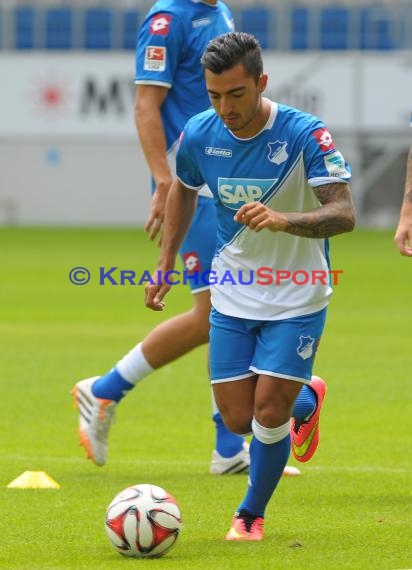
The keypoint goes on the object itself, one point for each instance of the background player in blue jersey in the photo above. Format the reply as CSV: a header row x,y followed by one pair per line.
x,y
403,236
280,190
170,89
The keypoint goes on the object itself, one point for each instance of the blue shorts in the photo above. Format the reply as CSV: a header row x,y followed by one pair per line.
x,y
284,348
199,246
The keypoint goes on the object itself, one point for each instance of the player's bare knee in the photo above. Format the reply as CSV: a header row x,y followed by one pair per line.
x,y
199,326
272,414
203,329
239,428
237,423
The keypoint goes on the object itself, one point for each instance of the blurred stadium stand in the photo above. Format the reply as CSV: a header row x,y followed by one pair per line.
x,y
24,27
281,25
98,29
59,28
259,22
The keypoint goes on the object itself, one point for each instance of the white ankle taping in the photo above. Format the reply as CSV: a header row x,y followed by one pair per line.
x,y
134,366
270,435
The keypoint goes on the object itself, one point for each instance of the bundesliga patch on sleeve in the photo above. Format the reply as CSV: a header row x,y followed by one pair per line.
x,y
324,139
155,58
160,24
335,165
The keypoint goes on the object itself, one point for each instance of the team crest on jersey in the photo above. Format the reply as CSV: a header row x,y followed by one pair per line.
x,y
306,347
160,24
324,139
191,261
234,192
277,152
155,58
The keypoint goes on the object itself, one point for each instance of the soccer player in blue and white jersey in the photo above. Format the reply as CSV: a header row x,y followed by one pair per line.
x,y
403,235
280,190
170,88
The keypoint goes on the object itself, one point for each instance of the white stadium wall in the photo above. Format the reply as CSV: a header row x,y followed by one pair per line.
x,y
69,153
64,182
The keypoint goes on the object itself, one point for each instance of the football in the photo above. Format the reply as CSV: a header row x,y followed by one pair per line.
x,y
143,521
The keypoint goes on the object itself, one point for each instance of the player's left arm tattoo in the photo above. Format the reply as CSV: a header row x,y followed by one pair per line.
x,y
407,199
336,214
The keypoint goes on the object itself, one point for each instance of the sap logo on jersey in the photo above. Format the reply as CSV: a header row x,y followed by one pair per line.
x,y
234,192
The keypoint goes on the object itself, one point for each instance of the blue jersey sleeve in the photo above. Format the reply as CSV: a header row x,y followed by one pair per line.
x,y
323,162
159,44
187,170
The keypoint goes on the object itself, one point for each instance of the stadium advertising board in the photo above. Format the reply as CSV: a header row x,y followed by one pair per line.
x,y
91,95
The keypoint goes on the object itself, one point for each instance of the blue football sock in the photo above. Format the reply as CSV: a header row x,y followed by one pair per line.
x,y
267,462
305,403
111,386
227,442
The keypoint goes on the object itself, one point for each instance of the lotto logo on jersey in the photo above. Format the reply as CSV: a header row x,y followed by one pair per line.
x,y
160,24
155,58
234,192
324,139
191,261
222,152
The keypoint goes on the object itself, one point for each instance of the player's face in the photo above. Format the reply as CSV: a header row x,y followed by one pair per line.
x,y
237,99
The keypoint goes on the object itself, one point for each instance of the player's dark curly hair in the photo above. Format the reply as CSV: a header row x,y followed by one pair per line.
x,y
227,50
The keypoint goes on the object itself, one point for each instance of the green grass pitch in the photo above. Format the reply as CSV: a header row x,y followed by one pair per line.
x,y
351,507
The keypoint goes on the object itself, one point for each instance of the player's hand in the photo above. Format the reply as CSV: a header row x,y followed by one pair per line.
x,y
154,293
403,239
256,216
156,215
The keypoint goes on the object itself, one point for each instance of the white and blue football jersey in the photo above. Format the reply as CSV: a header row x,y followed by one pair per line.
x,y
170,44
279,166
